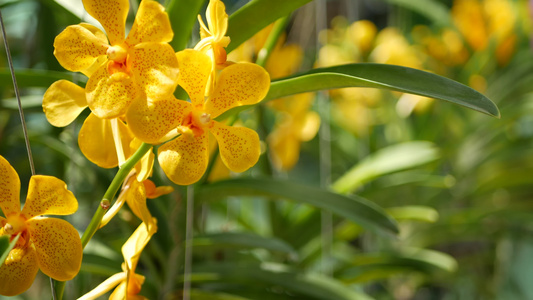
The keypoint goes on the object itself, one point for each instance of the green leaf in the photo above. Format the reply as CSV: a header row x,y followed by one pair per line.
x,y
431,9
183,14
256,15
414,212
382,265
241,239
385,161
33,77
6,247
204,295
389,77
354,208
310,285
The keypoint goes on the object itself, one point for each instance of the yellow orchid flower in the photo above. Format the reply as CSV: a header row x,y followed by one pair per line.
x,y
123,68
185,158
128,284
213,39
297,125
50,244
104,142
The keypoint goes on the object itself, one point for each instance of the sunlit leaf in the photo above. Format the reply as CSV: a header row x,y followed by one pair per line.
x,y
183,15
415,213
354,208
389,77
385,161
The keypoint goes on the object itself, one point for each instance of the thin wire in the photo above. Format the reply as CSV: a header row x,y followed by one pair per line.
x,y
22,119
17,95
324,149
188,244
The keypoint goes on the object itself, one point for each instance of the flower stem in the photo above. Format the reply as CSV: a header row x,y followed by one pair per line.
x,y
106,203
271,41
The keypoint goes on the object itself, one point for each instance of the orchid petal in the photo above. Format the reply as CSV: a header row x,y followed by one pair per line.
x,y
97,143
63,102
131,250
105,286
58,247
112,15
150,120
155,68
239,84
77,48
136,198
217,19
195,68
48,195
184,160
18,271
284,148
153,192
239,146
109,95
151,24
9,189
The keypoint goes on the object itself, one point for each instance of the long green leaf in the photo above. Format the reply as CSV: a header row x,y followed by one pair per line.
x,y
354,208
256,15
182,14
383,76
241,239
385,161
310,285
33,77
381,265
6,247
415,213
431,9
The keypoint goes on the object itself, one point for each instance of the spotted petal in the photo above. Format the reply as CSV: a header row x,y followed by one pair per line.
x,y
185,159
239,146
77,48
239,84
9,188
195,68
48,195
150,120
109,95
97,144
18,271
155,68
151,25
112,15
63,101
58,247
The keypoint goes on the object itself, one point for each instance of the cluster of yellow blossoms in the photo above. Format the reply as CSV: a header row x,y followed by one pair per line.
x,y
130,93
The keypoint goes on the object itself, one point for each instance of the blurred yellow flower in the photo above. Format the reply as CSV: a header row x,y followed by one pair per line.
x,y
120,69
297,125
50,244
185,158
128,283
481,22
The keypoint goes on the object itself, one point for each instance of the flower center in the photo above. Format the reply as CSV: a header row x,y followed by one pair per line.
x,y
195,123
118,59
15,224
117,53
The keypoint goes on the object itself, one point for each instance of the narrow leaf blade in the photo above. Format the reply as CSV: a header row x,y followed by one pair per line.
x,y
354,208
382,76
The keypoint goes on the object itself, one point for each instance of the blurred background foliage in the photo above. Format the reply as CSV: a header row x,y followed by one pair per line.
x,y
457,182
